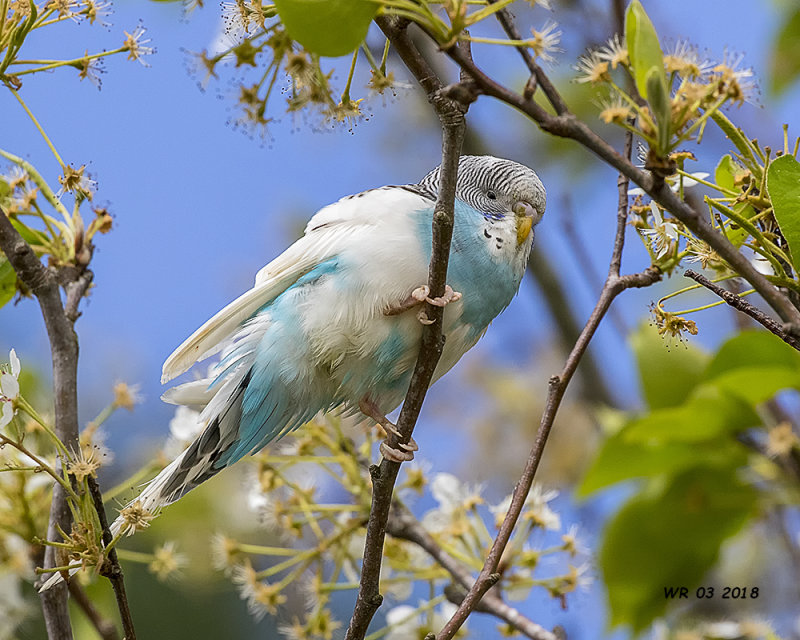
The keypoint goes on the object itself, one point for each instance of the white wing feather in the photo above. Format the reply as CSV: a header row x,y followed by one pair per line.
x,y
325,235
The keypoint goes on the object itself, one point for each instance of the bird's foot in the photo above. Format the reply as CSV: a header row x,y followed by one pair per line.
x,y
418,296
448,297
404,452
423,318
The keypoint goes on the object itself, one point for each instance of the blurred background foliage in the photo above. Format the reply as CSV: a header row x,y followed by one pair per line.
x,y
677,460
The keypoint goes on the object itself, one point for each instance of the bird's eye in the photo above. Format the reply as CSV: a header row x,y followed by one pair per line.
x,y
491,195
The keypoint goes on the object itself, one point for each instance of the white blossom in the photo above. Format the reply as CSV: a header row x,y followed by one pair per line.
x,y
663,234
545,41
9,388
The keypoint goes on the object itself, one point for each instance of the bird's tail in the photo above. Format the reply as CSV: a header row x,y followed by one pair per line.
x,y
199,462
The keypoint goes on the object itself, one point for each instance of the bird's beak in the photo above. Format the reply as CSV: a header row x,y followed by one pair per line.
x,y
526,215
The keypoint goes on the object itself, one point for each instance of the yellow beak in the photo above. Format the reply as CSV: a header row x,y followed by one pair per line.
x,y
524,229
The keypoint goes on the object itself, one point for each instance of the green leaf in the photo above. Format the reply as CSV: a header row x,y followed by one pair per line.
x,y
30,235
783,185
327,27
667,375
643,47
751,348
710,412
725,172
785,58
670,537
620,460
8,281
754,365
755,385
736,234
662,106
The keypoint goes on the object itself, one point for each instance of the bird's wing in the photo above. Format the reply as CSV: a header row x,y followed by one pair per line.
x,y
327,232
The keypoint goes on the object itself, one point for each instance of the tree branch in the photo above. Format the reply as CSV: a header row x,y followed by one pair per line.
x,y
745,307
594,386
450,104
614,285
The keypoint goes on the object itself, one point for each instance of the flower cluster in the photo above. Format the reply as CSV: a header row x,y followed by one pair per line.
x,y
254,41
698,89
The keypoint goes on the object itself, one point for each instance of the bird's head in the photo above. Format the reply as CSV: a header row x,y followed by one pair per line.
x,y
500,189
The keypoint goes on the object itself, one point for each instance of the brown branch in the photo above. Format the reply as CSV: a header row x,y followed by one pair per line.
x,y
745,307
614,285
44,283
567,125
618,11
542,80
403,525
450,104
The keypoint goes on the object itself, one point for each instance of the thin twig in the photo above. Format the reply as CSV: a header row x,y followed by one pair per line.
x,y
614,285
76,289
552,94
451,105
104,627
745,307
553,293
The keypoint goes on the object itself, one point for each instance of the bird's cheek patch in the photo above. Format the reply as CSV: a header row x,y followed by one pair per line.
x,y
523,229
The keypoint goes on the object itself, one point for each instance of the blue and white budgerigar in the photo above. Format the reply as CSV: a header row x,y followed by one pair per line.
x,y
335,321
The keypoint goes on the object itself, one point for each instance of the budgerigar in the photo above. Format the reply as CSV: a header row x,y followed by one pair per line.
x,y
335,320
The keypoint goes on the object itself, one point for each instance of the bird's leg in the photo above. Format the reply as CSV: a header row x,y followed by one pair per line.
x,y
418,296
406,451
